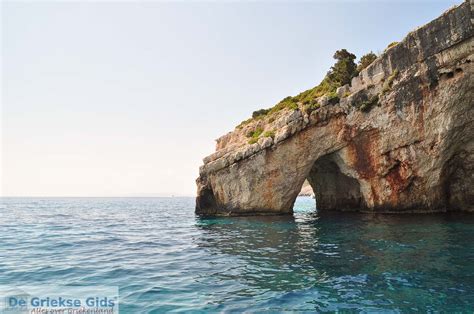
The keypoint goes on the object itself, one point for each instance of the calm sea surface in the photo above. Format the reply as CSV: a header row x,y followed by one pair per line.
x,y
165,258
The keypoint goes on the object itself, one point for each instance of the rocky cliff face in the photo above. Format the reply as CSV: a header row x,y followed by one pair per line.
x,y
400,138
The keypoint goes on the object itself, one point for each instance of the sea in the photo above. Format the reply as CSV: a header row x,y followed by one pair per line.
x,y
163,258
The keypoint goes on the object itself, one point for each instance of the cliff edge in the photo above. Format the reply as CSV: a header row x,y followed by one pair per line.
x,y
398,138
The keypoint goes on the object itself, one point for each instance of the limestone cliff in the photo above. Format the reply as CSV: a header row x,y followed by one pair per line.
x,y
399,139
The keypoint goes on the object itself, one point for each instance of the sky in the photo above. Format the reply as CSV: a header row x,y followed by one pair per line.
x,y
126,98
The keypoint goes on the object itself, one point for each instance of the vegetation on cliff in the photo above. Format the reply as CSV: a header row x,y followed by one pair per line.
x,y
254,135
392,44
405,156
340,74
387,86
367,105
366,60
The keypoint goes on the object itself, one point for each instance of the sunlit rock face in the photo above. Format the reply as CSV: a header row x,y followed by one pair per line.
x,y
412,150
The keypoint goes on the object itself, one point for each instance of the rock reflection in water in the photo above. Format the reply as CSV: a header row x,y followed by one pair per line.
x,y
341,259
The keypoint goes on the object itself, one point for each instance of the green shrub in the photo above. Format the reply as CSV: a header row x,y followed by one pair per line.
x,y
244,123
309,96
333,98
392,44
277,107
269,134
255,133
366,60
287,102
293,106
259,113
253,140
387,85
341,73
306,96
311,107
367,105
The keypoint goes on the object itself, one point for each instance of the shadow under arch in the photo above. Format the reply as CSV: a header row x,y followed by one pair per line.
x,y
333,187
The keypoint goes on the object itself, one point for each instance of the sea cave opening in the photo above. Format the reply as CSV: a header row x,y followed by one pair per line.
x,y
330,187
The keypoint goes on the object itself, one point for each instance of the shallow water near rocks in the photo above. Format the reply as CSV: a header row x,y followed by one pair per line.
x,y
165,258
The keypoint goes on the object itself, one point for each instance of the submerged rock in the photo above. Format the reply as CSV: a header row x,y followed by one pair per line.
x,y
400,139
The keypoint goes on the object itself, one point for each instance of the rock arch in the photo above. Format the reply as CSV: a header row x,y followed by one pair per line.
x,y
333,189
399,139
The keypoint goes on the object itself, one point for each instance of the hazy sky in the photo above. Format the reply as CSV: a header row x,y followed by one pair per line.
x,y
126,98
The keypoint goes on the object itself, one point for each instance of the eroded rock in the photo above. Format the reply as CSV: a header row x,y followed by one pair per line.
x,y
400,139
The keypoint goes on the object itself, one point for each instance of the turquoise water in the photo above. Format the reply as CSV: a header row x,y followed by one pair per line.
x,y
164,258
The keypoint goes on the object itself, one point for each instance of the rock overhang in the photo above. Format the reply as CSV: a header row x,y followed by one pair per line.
x,y
396,150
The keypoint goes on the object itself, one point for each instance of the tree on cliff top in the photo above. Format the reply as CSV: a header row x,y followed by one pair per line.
x,y
344,69
366,60
341,73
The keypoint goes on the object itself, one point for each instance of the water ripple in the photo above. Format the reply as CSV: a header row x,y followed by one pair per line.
x,y
163,258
